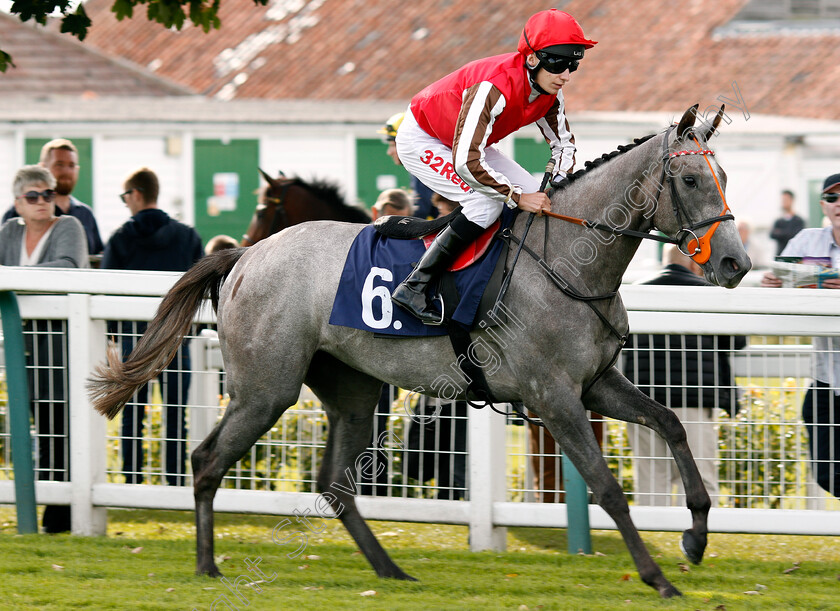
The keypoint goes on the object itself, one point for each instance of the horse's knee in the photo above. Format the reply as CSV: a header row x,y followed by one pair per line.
x,y
672,429
611,498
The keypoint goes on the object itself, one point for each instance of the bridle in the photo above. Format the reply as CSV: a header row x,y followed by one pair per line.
x,y
698,248
280,218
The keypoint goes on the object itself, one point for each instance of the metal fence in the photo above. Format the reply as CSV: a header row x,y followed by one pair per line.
x,y
441,462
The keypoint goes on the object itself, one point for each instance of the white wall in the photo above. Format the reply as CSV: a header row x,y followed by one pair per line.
x,y
308,157
8,166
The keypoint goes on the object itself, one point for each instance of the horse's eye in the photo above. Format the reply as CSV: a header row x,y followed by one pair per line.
x,y
689,181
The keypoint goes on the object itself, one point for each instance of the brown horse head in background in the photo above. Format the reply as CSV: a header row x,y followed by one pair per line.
x,y
284,202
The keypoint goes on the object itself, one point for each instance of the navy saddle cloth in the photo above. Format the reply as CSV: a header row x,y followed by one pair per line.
x,y
376,264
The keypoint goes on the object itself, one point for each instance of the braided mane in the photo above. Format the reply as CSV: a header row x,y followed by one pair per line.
x,y
596,163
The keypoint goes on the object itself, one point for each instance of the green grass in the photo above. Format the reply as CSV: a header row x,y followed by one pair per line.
x,y
147,562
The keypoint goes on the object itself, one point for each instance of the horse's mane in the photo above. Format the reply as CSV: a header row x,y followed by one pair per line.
x,y
330,193
596,163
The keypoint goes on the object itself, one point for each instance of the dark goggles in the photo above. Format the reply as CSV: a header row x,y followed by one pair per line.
x,y
556,64
31,197
831,197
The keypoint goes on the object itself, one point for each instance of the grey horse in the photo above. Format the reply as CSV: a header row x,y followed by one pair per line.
x,y
274,300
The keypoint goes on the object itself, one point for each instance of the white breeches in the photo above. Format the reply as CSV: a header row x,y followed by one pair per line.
x,y
430,160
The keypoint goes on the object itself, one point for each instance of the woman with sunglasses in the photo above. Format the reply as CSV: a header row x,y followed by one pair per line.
x,y
821,406
448,134
37,236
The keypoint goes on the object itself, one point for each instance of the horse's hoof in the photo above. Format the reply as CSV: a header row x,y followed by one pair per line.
x,y
396,573
669,591
212,571
693,546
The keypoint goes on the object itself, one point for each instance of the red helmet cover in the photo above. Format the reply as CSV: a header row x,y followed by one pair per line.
x,y
549,28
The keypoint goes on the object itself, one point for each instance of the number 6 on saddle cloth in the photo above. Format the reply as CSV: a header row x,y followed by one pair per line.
x,y
384,253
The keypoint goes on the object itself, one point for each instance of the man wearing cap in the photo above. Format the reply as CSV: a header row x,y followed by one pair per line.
x,y
423,206
821,407
448,134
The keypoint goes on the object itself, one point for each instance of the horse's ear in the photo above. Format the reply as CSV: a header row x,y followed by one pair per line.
x,y
687,121
715,123
268,178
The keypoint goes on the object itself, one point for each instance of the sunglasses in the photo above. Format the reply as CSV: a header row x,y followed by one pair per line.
x,y
831,197
125,194
31,197
556,64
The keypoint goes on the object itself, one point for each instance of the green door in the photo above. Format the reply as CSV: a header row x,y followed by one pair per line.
x,y
375,171
84,187
531,154
226,177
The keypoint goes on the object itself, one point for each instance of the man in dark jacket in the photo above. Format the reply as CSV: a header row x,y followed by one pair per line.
x,y
151,240
691,375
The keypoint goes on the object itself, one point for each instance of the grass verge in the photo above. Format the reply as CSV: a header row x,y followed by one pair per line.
x,y
147,562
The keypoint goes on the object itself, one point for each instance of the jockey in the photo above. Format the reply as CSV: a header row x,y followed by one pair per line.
x,y
447,135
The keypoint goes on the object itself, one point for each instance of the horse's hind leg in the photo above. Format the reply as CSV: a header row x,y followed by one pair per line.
x,y
615,396
349,397
245,420
566,420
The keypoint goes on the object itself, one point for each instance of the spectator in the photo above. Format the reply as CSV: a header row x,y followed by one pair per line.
x,y
37,237
444,206
220,242
424,208
61,158
788,225
690,374
821,407
448,135
151,240
395,202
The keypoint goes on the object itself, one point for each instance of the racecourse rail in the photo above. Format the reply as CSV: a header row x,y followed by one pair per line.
x,y
86,299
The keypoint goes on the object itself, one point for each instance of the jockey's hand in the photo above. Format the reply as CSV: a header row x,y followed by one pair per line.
x,y
770,280
534,202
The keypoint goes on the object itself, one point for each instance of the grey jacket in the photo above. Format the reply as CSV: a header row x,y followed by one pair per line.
x,y
66,245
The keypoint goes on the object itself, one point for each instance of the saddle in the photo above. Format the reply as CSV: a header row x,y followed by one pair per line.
x,y
413,228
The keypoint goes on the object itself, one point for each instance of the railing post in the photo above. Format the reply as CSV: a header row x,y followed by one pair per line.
x,y
88,429
18,392
577,508
486,457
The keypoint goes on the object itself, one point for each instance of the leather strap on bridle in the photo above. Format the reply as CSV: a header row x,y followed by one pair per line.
x,y
280,219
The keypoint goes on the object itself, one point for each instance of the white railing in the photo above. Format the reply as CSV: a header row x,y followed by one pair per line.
x,y
89,298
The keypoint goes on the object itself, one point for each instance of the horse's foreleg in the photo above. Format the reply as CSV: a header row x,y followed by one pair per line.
x,y
615,396
349,398
238,430
336,480
569,425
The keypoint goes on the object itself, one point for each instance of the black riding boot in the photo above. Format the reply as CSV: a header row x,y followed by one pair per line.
x,y
449,243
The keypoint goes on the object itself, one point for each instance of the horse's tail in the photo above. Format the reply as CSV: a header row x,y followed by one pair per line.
x,y
113,384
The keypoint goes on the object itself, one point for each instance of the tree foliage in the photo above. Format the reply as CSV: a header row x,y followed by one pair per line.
x,y
75,21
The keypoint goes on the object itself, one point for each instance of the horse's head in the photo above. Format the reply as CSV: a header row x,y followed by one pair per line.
x,y
270,215
284,202
693,208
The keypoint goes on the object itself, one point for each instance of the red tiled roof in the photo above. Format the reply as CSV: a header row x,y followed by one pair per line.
x,y
653,55
48,63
